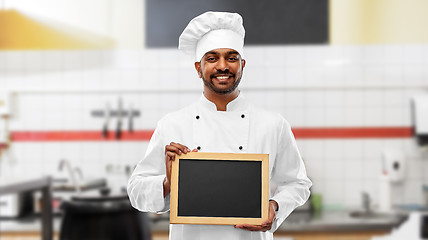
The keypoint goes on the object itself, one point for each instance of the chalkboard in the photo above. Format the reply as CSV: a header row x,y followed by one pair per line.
x,y
266,22
219,188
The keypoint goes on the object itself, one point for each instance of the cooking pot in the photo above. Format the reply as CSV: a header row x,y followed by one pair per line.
x,y
103,217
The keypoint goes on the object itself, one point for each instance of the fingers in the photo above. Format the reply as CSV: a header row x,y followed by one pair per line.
x,y
249,227
176,148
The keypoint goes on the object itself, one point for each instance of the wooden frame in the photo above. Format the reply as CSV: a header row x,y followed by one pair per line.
x,y
229,220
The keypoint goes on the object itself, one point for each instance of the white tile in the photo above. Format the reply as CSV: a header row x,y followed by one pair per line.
x,y
393,116
126,59
275,77
295,75
295,55
91,79
15,61
316,55
33,61
92,58
353,194
353,75
334,192
314,98
295,98
53,102
334,150
334,98
73,60
374,98
295,116
336,75
168,79
73,101
373,75
334,170
254,55
372,169
274,56
313,75
53,120
355,54
414,74
373,116
130,79
314,116
354,98
53,60
354,150
413,54
394,75
372,149
353,170
394,54
71,80
414,169
354,116
394,98
413,192
374,54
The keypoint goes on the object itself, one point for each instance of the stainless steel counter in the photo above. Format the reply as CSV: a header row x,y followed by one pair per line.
x,y
327,221
340,221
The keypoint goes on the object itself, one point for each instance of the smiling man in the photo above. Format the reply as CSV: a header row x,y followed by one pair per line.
x,y
221,121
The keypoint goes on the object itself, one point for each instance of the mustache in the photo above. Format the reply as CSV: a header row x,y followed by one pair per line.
x,y
221,72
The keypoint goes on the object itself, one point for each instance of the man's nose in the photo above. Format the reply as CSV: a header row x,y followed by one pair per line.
x,y
222,64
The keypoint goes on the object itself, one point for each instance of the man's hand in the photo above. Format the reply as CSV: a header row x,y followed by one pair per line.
x,y
266,225
170,151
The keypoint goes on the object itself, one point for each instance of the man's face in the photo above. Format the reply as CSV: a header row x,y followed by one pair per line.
x,y
221,70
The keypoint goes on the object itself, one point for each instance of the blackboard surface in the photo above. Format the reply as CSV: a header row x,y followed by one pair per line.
x,y
266,22
219,188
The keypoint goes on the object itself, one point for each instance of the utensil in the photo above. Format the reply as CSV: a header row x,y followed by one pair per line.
x,y
119,120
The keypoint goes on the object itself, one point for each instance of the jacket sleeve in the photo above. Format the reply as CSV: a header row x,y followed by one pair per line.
x,y
289,176
145,186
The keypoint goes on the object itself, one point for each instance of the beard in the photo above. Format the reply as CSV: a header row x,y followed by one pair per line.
x,y
222,91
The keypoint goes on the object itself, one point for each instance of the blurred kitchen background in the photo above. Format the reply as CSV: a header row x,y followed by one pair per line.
x,y
83,83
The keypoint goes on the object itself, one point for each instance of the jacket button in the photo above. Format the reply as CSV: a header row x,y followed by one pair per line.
x,y
240,147
242,116
199,148
197,117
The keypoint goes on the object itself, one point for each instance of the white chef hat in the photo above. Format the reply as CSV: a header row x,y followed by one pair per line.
x,y
212,30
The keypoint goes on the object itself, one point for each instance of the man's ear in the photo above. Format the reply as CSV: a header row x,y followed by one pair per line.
x,y
243,63
198,68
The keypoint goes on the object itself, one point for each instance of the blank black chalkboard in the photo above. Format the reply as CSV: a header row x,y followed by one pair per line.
x,y
266,22
218,188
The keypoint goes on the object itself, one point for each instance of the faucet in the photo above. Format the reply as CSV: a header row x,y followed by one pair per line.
x,y
366,202
79,172
67,164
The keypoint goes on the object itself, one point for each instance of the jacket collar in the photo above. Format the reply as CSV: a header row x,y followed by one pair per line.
x,y
238,104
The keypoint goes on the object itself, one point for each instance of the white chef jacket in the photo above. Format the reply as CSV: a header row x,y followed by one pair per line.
x,y
243,128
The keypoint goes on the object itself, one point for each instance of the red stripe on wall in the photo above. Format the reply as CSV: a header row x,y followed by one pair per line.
x,y
145,135
354,132
36,136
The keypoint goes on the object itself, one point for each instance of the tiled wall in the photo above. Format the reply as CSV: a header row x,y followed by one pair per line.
x,y
312,86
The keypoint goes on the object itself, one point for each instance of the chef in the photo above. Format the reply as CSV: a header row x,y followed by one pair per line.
x,y
221,121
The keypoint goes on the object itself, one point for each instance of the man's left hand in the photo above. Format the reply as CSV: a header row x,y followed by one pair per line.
x,y
266,225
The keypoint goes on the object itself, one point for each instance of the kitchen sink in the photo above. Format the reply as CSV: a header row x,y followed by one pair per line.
x,y
63,185
372,215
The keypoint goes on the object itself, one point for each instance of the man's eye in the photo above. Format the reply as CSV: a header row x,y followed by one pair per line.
x,y
210,59
233,59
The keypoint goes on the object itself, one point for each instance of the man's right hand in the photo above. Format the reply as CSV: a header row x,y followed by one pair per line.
x,y
170,151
